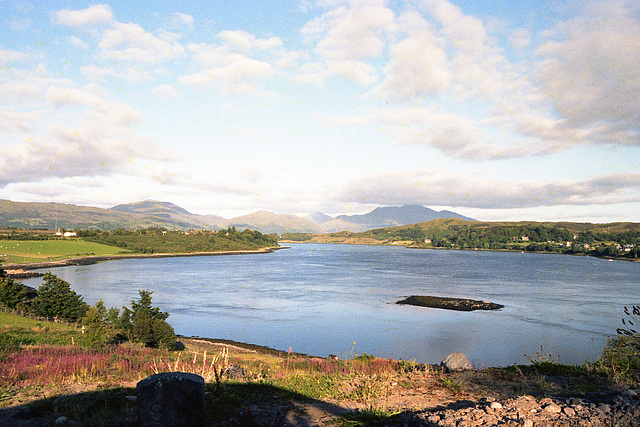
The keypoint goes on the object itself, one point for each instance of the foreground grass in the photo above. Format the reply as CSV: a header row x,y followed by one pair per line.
x,y
32,251
47,370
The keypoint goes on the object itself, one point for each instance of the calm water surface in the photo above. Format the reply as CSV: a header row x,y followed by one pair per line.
x,y
320,299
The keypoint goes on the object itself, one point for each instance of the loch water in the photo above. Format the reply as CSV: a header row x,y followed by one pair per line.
x,y
321,299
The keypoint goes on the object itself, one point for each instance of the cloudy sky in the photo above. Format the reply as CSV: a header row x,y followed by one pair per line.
x,y
499,110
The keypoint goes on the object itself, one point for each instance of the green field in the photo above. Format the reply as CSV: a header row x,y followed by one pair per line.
x,y
30,251
22,330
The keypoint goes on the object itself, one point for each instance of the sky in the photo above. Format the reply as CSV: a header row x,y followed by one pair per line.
x,y
498,110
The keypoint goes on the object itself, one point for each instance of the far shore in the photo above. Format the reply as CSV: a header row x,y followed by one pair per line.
x,y
92,259
372,242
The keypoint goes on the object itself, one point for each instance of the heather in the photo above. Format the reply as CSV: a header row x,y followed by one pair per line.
x,y
39,365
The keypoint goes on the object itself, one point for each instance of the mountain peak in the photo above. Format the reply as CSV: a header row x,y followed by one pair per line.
x,y
388,216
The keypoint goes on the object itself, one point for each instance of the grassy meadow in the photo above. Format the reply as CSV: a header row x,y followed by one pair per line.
x,y
33,251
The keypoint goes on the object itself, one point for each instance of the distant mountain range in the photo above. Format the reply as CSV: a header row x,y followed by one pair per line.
x,y
389,216
151,213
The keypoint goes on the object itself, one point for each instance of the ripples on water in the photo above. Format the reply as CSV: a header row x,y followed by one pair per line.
x,y
319,299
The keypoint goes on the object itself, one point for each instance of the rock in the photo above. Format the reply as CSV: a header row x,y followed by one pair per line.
x,y
495,405
61,421
569,411
456,362
604,408
552,408
171,399
459,304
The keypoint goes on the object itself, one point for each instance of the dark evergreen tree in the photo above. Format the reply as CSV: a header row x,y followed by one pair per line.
x,y
146,324
11,292
56,299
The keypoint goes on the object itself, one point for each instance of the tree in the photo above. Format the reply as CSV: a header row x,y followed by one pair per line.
x,y
56,299
11,292
146,324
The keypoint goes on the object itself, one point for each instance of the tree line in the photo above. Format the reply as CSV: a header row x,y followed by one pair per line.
x,y
140,323
159,240
537,238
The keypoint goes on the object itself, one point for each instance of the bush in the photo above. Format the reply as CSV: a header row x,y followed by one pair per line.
x,y
98,329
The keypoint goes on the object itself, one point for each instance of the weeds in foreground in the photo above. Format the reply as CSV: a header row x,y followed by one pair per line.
x,y
366,418
620,361
451,384
364,379
210,369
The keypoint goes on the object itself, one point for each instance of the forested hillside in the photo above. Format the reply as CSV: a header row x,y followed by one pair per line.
x,y
155,240
610,240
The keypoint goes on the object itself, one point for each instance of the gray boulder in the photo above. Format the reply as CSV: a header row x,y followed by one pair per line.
x,y
456,362
171,399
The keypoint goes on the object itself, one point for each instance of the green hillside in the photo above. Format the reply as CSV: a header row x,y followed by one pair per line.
x,y
607,240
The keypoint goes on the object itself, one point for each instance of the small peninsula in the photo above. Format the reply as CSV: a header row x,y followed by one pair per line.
x,y
458,304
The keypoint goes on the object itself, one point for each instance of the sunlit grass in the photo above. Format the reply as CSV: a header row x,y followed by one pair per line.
x,y
18,330
29,251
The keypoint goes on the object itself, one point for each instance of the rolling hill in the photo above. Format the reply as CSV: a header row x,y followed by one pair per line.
x,y
152,213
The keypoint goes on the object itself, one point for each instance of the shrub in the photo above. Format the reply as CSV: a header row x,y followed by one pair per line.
x,y
98,329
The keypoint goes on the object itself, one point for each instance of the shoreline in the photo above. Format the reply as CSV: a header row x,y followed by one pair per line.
x,y
413,246
93,259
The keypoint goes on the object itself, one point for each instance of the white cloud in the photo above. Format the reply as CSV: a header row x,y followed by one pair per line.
x,y
128,72
63,96
79,43
466,33
356,71
130,42
418,64
88,134
241,40
181,20
17,91
347,36
96,14
237,65
454,135
437,188
590,73
10,56
16,121
520,39
165,91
